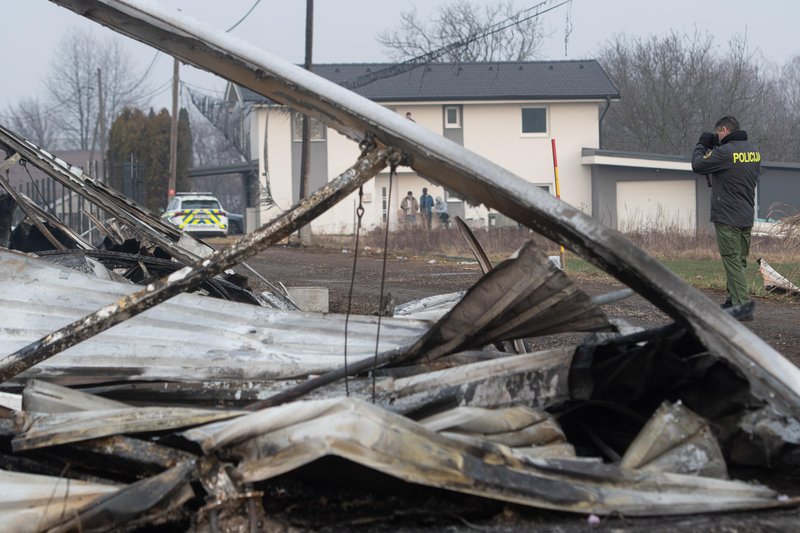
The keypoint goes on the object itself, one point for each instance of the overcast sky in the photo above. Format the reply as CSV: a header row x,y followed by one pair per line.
x,y
345,32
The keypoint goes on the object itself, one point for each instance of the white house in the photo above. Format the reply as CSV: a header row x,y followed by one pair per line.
x,y
507,112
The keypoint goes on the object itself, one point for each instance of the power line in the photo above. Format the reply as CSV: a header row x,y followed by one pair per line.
x,y
146,72
158,90
433,55
201,88
244,17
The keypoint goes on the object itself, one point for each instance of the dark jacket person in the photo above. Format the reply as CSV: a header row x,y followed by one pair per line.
x,y
733,165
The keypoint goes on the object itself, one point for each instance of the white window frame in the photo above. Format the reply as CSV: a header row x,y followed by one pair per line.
x,y
546,131
453,125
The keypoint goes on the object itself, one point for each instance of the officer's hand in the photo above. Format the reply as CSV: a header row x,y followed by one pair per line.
x,y
707,139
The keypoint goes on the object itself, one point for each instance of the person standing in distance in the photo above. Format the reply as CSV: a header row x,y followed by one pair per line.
x,y
425,206
410,207
733,164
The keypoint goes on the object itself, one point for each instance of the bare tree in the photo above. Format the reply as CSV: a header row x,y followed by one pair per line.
x,y
785,112
73,88
493,32
674,87
33,122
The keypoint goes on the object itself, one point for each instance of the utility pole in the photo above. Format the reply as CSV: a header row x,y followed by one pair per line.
x,y
305,149
97,171
101,116
173,135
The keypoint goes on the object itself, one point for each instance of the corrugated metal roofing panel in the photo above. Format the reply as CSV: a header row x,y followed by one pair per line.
x,y
188,338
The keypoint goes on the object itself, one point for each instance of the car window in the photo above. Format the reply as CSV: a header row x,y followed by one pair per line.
x,y
174,204
201,204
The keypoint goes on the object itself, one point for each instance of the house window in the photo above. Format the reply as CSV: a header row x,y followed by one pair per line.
x,y
316,129
534,120
452,116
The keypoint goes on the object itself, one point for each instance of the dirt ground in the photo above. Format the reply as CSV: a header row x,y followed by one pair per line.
x,y
777,319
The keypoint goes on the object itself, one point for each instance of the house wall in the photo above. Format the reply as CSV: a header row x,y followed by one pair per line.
x,y
318,165
495,132
343,152
492,130
277,168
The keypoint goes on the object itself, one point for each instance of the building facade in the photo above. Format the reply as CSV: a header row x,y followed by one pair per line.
x,y
508,112
641,192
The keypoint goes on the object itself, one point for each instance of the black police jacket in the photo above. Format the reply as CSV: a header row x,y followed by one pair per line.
x,y
734,167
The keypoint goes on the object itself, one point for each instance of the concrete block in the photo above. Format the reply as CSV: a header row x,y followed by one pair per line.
x,y
312,299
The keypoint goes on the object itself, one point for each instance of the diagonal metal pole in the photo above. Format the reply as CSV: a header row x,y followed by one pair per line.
x,y
191,276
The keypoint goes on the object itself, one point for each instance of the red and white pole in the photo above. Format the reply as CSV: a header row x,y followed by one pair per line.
x,y
558,195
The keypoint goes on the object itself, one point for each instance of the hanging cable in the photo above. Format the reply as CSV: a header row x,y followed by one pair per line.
x,y
359,215
433,55
392,172
245,16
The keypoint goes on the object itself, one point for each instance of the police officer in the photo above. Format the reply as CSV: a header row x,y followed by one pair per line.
x,y
733,165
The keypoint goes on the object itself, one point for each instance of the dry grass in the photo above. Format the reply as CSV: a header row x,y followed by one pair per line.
x,y
694,258
498,243
501,242
790,226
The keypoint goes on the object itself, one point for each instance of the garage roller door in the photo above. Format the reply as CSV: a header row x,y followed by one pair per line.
x,y
657,206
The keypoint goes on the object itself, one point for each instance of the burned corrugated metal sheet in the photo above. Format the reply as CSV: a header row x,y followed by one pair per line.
x,y
676,440
42,430
278,440
217,340
139,504
373,159
33,503
537,380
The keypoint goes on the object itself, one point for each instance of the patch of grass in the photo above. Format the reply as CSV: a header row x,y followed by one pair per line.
x,y
700,273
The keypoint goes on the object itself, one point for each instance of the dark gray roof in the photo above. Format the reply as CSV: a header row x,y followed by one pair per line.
x,y
508,80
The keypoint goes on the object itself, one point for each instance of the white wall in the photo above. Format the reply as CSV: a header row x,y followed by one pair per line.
x,y
492,130
279,157
573,125
342,154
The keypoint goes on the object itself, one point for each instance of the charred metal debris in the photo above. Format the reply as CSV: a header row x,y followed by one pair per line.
x,y
190,420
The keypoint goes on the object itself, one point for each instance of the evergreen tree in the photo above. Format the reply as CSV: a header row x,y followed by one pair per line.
x,y
142,142
156,161
125,148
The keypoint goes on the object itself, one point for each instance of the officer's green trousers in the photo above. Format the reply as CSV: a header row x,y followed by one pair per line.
x,y
734,247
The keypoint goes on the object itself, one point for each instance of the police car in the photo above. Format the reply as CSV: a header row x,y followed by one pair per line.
x,y
199,213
